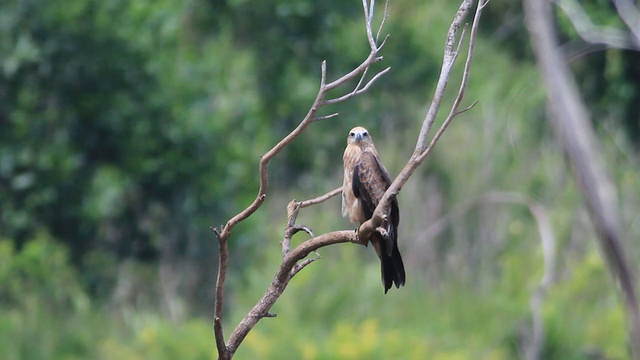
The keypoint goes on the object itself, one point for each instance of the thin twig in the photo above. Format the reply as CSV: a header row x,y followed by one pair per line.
x,y
325,117
321,198
464,110
384,19
296,269
463,83
360,91
293,208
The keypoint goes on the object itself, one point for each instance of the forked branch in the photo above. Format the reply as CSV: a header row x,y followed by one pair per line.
x,y
452,49
226,350
295,260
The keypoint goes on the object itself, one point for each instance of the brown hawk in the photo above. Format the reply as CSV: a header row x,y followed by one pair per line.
x,y
365,182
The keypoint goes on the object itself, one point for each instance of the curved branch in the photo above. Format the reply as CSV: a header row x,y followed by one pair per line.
x,y
358,91
422,150
321,198
281,279
291,264
226,352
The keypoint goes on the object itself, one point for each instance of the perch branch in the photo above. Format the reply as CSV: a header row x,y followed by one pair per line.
x,y
226,350
294,260
281,280
452,47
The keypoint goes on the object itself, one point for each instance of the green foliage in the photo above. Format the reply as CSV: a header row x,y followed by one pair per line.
x,y
43,308
154,338
40,269
591,324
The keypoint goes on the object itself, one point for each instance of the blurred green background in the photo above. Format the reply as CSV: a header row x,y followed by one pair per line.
x,y
127,128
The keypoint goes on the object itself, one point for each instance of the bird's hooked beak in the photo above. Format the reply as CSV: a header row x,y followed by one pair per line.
x,y
358,136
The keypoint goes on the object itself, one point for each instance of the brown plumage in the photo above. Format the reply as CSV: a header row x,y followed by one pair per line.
x,y
365,182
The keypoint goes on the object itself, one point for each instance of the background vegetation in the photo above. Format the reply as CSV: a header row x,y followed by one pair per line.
x,y
128,128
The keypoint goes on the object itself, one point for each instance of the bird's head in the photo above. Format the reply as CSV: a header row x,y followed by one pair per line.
x,y
359,136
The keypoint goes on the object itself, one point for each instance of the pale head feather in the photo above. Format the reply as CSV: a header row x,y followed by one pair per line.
x,y
361,138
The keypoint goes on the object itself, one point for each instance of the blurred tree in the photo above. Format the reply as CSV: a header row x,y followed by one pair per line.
x,y
608,78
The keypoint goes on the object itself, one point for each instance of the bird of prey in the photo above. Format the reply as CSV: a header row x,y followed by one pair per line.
x,y
365,182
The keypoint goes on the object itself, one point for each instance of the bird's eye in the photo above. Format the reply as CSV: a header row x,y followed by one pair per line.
x,y
352,134
365,134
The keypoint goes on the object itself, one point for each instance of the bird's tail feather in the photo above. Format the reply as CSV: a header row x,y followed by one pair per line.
x,y
392,268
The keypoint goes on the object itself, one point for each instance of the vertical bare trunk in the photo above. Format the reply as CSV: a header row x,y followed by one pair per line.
x,y
571,123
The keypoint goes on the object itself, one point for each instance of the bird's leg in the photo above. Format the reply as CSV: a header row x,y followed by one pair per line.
x,y
383,232
359,240
383,229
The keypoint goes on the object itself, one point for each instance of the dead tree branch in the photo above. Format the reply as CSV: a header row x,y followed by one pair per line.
x,y
288,268
571,122
295,260
452,49
226,350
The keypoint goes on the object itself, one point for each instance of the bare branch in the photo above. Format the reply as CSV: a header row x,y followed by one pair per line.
x,y
281,280
223,351
467,108
321,198
364,75
296,269
445,73
368,14
358,91
373,58
325,117
384,19
292,214
226,352
294,260
421,150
